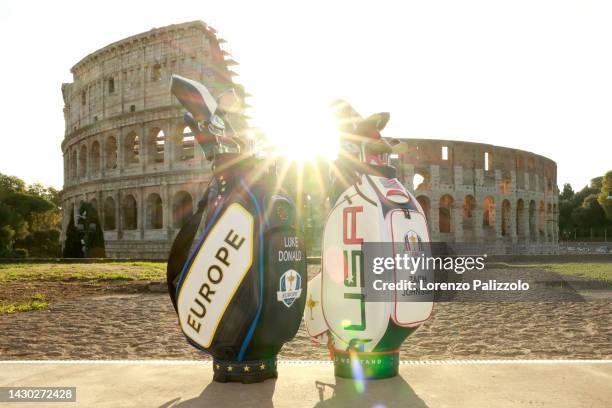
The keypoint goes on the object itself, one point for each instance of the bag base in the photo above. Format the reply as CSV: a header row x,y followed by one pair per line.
x,y
366,365
246,372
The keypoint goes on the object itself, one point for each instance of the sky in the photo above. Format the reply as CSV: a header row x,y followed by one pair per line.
x,y
534,75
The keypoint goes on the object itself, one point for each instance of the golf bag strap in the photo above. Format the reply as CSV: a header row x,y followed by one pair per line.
x,y
181,247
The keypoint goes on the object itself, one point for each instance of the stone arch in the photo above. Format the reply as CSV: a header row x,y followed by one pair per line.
x,y
73,164
182,208
83,161
541,220
129,213
520,217
186,145
131,149
555,223
156,145
155,212
488,212
505,217
445,220
94,204
532,220
420,182
110,153
548,222
109,214
94,159
426,205
469,207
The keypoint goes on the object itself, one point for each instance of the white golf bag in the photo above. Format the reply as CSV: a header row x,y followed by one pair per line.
x,y
369,206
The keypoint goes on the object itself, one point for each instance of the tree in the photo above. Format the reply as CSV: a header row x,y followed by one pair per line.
x,y
589,214
29,218
73,248
12,227
582,213
10,184
567,193
605,196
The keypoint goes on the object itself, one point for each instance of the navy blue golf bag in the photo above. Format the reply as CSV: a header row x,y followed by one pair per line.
x,y
237,269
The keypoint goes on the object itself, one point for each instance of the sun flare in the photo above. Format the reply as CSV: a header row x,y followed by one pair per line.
x,y
302,134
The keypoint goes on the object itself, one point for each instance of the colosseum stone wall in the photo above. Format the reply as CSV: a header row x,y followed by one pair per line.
x,y
126,148
497,199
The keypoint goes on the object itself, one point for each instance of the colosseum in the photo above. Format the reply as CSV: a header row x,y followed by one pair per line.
x,y
495,199
128,153
126,148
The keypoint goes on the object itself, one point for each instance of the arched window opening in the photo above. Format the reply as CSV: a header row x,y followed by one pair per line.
x,y
95,157
520,216
109,214
155,212
83,161
187,145
130,213
424,201
73,164
94,204
417,180
156,73
420,181
132,149
182,208
445,213
505,218
532,220
488,212
111,153
469,206
541,216
157,146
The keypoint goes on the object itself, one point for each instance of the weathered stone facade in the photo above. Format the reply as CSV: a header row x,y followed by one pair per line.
x,y
501,200
126,148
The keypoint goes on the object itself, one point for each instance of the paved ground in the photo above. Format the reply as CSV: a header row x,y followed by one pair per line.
x,y
144,326
305,385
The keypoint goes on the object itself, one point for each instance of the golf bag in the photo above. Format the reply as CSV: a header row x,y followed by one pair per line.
x,y
368,205
237,269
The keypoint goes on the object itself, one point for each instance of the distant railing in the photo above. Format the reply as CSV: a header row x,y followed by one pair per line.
x,y
571,247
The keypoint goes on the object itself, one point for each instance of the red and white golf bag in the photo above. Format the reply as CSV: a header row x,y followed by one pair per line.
x,y
368,205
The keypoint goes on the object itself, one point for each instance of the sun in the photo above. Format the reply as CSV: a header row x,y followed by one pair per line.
x,y
302,134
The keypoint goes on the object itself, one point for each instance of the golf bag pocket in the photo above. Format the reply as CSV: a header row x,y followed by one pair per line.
x,y
222,262
284,283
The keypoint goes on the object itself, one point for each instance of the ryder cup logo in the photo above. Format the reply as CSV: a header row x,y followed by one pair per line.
x,y
290,285
412,242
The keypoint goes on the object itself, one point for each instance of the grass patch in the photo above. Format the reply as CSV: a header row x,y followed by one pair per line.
x,y
595,270
112,271
38,302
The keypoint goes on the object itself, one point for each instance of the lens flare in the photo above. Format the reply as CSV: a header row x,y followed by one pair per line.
x,y
358,374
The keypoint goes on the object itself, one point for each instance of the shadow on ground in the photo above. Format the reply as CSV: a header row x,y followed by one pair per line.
x,y
229,395
392,392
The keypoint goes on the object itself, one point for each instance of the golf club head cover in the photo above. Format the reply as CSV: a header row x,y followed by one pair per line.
x,y
240,288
